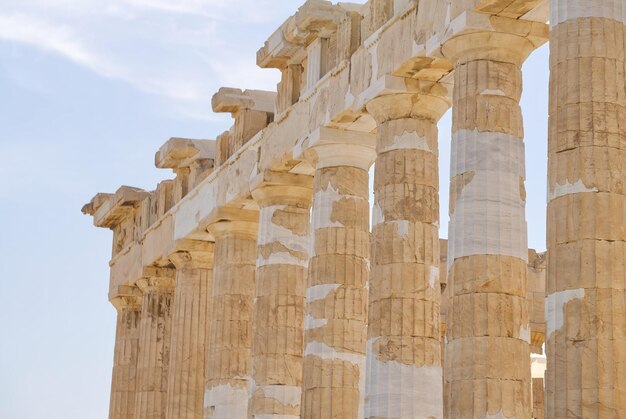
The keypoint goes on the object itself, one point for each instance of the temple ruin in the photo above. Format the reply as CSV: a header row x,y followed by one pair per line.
x,y
261,282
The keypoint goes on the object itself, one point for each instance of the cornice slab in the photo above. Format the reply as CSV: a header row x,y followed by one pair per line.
x,y
232,100
108,210
179,153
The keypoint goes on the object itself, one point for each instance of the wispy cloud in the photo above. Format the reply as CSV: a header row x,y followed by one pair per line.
x,y
54,38
225,10
181,51
64,41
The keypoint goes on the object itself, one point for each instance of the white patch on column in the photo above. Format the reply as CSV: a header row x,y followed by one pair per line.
x,y
285,395
402,227
311,322
319,292
555,308
524,333
323,202
228,401
474,151
282,258
394,389
433,276
569,189
270,232
407,141
489,215
276,416
499,415
493,92
323,351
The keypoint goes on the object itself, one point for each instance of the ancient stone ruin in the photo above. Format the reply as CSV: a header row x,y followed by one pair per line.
x,y
257,284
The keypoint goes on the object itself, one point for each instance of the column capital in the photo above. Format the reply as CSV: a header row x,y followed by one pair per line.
x,y
537,340
282,188
125,297
193,254
330,147
157,278
429,103
225,221
493,38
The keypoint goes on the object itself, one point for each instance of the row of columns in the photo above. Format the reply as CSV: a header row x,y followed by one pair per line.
x,y
161,339
300,315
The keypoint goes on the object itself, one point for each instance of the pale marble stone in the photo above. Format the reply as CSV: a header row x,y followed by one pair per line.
x,y
282,320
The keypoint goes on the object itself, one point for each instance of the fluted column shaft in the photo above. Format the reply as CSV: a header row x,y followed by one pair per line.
x,y
538,398
230,322
278,321
127,301
190,313
154,342
586,274
487,371
404,347
336,295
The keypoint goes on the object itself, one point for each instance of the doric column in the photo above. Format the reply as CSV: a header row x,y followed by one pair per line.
x,y
586,275
336,295
157,286
278,321
404,347
487,372
193,260
230,320
127,302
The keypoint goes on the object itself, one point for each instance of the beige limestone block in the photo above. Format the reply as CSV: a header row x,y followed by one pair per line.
x,y
120,212
487,372
289,87
127,301
191,161
230,321
404,348
507,8
190,314
279,301
536,300
222,148
252,111
348,35
336,294
586,269
157,286
538,398
377,14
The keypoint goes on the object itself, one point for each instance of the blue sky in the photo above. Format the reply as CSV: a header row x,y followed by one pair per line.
x,y
89,90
